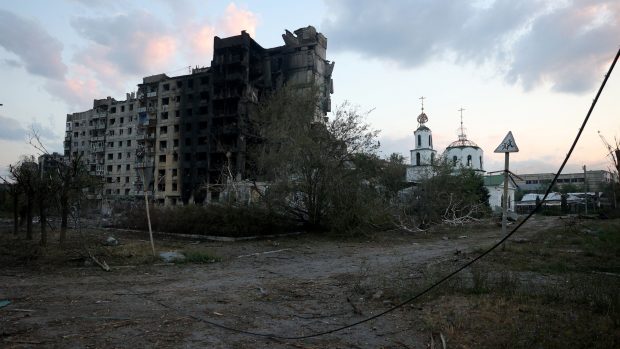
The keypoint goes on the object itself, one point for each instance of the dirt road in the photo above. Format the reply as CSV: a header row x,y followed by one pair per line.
x,y
302,285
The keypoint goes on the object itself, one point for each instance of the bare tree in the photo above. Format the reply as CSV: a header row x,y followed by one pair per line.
x,y
449,195
613,151
65,182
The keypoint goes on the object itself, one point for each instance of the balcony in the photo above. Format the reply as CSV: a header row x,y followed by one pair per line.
x,y
151,94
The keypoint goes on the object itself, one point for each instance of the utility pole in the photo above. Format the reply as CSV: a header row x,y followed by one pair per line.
x,y
585,187
507,146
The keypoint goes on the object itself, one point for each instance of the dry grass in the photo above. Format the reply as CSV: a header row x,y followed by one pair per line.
x,y
558,290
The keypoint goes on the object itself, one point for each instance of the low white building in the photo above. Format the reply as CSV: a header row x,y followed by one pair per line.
x,y
495,186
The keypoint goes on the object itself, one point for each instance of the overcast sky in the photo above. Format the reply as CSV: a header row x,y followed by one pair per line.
x,y
530,66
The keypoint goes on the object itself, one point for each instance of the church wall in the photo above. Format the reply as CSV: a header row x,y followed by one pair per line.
x,y
424,140
426,156
418,173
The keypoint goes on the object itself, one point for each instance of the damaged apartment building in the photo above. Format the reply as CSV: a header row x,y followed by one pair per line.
x,y
179,137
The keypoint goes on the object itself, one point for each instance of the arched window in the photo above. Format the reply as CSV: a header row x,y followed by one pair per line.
x,y
454,160
419,140
468,160
432,158
430,141
417,159
481,163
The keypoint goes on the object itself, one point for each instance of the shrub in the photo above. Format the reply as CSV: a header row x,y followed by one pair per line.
x,y
215,220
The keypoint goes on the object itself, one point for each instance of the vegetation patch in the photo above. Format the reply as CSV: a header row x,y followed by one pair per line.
x,y
200,257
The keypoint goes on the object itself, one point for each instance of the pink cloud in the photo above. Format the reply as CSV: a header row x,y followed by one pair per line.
x,y
200,43
123,48
159,52
77,92
237,19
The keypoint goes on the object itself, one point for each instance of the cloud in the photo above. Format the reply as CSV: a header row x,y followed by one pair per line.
x,y
39,52
45,133
119,48
13,63
237,19
569,48
199,42
128,46
566,45
11,129
131,43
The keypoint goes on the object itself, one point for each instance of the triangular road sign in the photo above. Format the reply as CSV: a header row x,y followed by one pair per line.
x,y
508,145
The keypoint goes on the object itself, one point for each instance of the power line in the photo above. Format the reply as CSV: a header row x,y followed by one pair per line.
x,y
429,288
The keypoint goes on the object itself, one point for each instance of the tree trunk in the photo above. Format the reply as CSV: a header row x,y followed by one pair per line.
x,y
29,207
15,213
43,222
64,213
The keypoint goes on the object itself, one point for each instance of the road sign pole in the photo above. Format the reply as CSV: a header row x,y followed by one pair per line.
x,y
507,146
505,197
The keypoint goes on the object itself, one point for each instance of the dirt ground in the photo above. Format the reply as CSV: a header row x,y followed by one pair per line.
x,y
288,286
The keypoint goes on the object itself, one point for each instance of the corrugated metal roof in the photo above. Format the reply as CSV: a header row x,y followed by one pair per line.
x,y
570,197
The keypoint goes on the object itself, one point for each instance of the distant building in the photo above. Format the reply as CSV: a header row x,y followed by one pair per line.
x,y
179,136
597,180
50,162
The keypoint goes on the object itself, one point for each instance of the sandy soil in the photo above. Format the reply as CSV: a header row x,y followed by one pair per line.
x,y
304,285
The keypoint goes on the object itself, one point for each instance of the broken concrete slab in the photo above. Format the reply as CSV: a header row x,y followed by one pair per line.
x,y
172,256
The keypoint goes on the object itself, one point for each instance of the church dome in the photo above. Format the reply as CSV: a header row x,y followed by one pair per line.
x,y
464,152
460,143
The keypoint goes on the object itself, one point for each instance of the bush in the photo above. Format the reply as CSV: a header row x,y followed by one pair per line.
x,y
215,220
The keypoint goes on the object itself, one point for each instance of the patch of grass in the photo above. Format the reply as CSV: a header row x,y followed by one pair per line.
x,y
200,257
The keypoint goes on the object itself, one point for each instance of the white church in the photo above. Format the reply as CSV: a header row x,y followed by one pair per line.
x,y
460,153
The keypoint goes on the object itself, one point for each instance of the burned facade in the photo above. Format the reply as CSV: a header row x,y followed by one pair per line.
x,y
179,136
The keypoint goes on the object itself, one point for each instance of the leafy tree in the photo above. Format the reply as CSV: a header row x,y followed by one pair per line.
x,y
570,188
315,167
519,194
25,173
14,192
